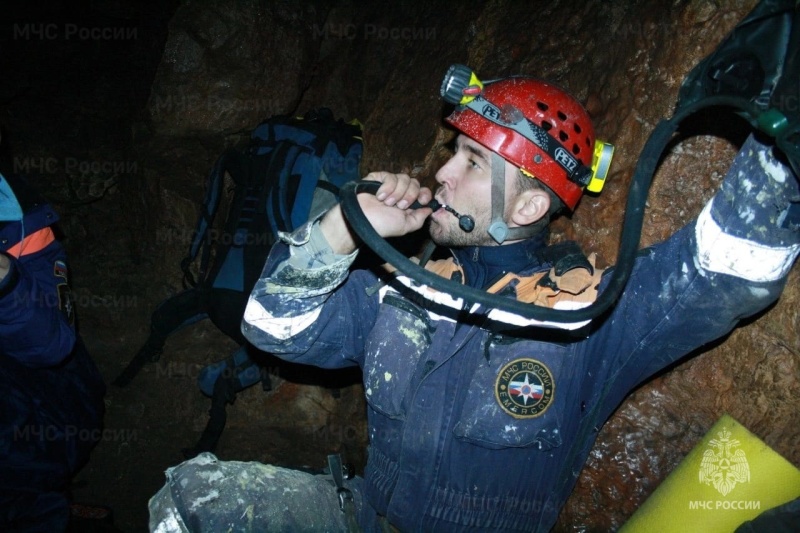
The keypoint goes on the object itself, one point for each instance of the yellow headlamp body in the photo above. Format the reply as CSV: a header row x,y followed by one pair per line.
x,y
601,162
473,89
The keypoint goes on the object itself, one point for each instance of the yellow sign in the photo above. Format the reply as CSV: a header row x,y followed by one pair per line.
x,y
730,477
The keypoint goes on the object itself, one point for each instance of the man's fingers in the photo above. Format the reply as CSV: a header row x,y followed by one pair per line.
x,y
401,190
409,195
401,184
388,183
425,195
418,217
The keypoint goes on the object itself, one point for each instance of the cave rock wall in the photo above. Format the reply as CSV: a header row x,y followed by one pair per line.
x,y
229,64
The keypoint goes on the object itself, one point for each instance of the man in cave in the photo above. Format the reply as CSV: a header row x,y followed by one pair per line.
x,y
479,419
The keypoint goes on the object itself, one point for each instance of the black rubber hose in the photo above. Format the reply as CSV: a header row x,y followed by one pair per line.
x,y
629,239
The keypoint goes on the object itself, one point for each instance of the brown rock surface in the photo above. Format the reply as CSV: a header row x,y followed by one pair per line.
x,y
227,62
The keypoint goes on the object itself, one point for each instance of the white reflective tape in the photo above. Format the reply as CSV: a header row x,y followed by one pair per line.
x,y
496,315
517,320
772,168
171,523
281,328
725,254
432,295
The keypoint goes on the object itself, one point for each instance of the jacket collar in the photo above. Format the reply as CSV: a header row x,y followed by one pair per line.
x,y
483,265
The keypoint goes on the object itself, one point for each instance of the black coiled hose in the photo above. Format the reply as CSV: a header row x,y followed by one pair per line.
x,y
629,239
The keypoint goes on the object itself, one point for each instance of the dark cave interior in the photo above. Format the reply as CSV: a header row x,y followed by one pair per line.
x,y
104,108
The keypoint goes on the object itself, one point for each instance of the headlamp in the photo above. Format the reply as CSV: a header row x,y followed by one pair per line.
x,y
460,85
601,162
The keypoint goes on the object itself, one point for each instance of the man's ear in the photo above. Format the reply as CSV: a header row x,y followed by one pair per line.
x,y
529,207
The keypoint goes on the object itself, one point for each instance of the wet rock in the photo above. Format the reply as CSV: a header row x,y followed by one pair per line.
x,y
226,63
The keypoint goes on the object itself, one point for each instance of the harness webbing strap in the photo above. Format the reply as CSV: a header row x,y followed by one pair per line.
x,y
498,228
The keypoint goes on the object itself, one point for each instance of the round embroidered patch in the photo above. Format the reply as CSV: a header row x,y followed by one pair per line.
x,y
524,388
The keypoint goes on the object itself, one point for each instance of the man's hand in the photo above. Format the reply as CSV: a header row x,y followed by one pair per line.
x,y
387,211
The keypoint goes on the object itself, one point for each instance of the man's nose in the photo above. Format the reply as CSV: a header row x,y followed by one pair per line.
x,y
445,174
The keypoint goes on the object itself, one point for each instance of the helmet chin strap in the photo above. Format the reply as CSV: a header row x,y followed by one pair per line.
x,y
498,229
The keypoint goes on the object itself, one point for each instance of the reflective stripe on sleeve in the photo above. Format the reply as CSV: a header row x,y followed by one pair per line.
x,y
280,328
725,254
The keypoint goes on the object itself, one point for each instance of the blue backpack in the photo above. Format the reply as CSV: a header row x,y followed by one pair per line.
x,y
290,172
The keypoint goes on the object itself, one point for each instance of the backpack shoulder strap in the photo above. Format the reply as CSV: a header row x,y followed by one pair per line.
x,y
231,162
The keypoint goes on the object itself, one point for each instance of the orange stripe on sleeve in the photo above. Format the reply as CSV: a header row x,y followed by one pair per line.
x,y
33,243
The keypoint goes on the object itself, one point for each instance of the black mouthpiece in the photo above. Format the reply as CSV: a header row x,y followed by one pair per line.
x,y
465,222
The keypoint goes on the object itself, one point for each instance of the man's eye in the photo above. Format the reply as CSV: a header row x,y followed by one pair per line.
x,y
474,165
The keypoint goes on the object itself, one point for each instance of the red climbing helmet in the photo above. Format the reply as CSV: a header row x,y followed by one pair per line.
x,y
534,125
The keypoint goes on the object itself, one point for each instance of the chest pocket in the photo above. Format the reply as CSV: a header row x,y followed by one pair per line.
x,y
516,398
392,354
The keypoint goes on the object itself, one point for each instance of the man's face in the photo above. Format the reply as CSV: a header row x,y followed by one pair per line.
x,y
465,184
